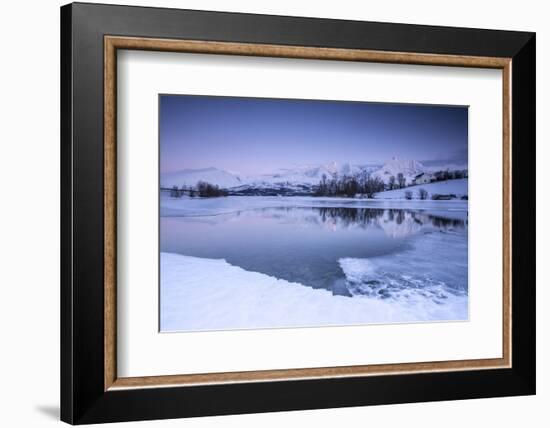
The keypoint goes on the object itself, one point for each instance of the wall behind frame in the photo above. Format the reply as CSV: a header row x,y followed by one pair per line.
x,y
29,220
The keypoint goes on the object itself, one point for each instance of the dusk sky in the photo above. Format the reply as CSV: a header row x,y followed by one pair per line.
x,y
255,136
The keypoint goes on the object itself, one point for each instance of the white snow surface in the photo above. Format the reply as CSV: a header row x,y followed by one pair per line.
x,y
409,168
308,175
207,294
458,187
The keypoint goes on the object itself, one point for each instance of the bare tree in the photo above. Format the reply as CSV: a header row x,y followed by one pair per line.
x,y
323,187
401,180
207,190
391,182
408,194
422,194
362,179
350,185
174,192
324,184
372,186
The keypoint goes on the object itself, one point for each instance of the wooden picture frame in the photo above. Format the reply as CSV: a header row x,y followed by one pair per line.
x,y
91,390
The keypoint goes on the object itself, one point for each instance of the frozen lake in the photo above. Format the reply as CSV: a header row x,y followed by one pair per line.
x,y
412,259
306,244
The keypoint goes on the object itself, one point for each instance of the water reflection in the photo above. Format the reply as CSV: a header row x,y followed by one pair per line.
x,y
394,222
306,244
388,219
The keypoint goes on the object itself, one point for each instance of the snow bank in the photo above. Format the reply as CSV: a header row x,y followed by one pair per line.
x,y
208,294
457,187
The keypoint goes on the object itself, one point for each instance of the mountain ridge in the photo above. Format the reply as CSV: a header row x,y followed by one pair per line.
x,y
300,176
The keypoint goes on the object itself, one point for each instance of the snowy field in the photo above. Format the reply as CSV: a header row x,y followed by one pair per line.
x,y
456,187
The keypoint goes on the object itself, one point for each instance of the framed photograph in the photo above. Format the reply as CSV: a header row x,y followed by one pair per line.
x,y
266,213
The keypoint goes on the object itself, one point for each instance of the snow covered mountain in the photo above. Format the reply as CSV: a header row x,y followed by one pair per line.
x,y
190,177
300,178
308,175
409,168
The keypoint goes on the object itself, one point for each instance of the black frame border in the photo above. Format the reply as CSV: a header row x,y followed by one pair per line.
x,y
83,399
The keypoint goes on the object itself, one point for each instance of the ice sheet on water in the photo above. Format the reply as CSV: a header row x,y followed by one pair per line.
x,y
433,269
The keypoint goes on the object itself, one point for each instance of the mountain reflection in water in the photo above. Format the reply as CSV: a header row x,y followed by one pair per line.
x,y
306,245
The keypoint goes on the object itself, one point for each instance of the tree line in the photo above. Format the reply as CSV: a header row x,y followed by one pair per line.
x,y
450,174
349,185
397,182
366,184
422,194
203,189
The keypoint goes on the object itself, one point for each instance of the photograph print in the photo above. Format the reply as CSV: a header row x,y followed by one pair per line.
x,y
290,213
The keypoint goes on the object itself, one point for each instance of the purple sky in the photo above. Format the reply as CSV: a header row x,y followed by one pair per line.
x,y
254,135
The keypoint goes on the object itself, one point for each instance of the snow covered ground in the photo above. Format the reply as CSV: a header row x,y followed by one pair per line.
x,y
457,187
208,294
